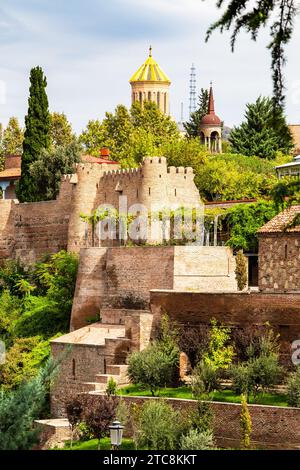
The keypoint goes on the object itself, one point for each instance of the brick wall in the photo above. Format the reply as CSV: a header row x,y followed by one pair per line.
x,y
237,310
112,279
272,427
279,267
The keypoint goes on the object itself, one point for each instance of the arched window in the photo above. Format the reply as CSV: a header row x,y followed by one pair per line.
x,y
286,251
149,96
165,103
74,368
141,97
158,99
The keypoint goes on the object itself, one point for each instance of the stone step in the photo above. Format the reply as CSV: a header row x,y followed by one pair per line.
x,y
93,387
114,369
104,378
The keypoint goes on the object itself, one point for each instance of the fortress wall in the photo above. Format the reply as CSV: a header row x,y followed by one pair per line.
x,y
181,188
40,228
7,229
122,182
119,278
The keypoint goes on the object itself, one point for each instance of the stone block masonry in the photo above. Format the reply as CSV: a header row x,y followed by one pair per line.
x,y
111,279
29,231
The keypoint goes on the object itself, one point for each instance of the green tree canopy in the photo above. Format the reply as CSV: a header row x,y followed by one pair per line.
x,y
130,135
264,132
50,166
13,136
193,125
37,134
60,130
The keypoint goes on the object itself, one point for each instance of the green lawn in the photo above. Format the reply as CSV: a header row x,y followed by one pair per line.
x,y
105,445
222,396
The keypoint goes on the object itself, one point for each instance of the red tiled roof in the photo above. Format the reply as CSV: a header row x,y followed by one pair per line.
x,y
10,174
99,160
281,221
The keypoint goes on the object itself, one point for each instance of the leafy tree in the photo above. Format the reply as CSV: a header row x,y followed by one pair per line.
x,y
159,426
293,388
74,407
231,176
23,360
130,135
151,368
93,137
244,220
264,132
262,370
192,127
60,130
220,353
194,341
12,139
196,440
37,134
205,379
253,16
50,166
98,416
246,423
286,193
19,409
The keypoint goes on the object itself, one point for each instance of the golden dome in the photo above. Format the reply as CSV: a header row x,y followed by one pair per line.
x,y
150,71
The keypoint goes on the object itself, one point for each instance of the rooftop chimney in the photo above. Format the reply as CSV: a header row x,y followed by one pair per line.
x,y
105,153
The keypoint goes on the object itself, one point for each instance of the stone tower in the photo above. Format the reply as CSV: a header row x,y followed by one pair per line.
x,y
211,127
150,83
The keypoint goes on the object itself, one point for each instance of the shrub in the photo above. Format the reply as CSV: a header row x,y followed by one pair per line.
x,y
74,406
293,385
246,423
151,368
194,341
112,387
220,353
158,426
202,418
98,416
258,374
205,379
241,271
196,440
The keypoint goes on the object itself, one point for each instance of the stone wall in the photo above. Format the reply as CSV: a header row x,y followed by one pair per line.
x,y
273,427
111,279
237,310
279,266
7,228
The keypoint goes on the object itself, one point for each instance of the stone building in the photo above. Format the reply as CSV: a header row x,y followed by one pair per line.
x,y
10,176
279,253
295,131
211,127
150,83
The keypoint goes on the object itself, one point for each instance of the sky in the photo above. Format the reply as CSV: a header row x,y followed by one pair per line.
x,y
90,49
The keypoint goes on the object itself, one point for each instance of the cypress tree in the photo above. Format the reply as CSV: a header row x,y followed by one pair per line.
x,y
193,125
37,133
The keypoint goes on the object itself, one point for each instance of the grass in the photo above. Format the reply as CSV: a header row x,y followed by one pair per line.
x,y
226,396
127,444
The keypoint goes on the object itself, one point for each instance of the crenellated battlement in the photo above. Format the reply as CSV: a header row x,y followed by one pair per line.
x,y
126,173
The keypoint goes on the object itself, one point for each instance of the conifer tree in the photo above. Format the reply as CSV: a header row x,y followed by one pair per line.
x,y
264,132
193,125
37,133
13,137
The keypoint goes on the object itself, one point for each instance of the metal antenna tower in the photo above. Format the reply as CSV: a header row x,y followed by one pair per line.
x,y
193,90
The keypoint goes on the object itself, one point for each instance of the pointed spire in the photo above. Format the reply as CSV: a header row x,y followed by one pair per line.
x,y
211,106
150,51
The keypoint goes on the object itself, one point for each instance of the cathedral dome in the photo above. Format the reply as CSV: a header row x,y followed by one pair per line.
x,y
150,71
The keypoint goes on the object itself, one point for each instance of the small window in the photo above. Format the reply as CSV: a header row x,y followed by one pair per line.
x,y
74,368
286,251
175,192
137,193
149,191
